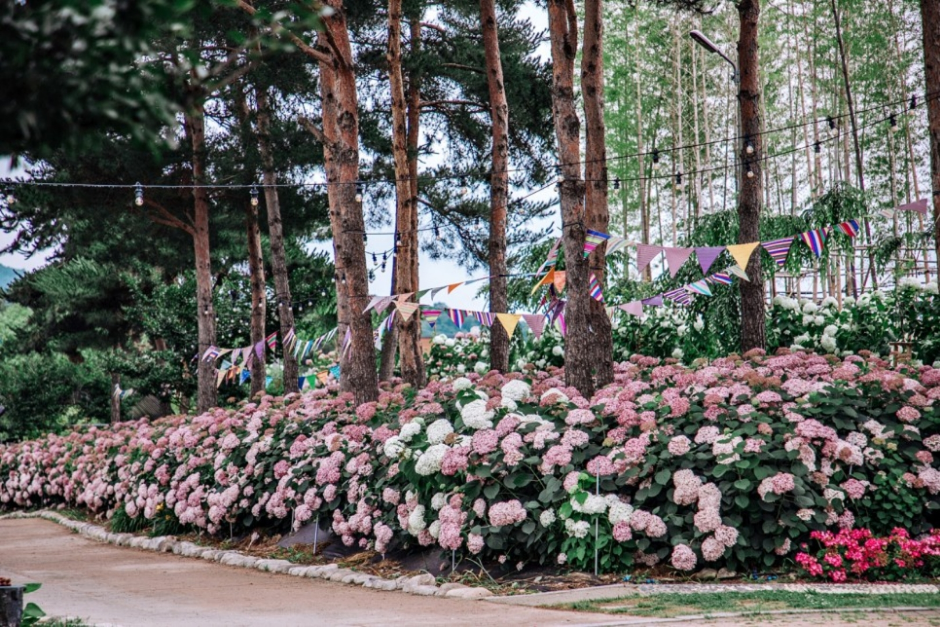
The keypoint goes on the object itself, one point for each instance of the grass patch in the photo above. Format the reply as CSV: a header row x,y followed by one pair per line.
x,y
669,605
64,622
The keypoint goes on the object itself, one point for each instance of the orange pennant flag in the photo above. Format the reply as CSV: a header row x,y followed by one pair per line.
x,y
559,281
453,286
545,280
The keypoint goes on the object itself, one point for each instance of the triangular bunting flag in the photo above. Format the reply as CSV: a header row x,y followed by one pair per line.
x,y
509,322
245,375
779,249
420,294
707,255
456,316
675,257
375,300
738,272
742,252
211,353
615,243
259,349
453,286
545,280
850,227
815,239
719,278
406,309
383,303
561,324
271,341
634,309
592,239
920,206
678,296
645,254
484,317
431,316
655,301
536,323
699,287
595,289
219,377
558,280
552,257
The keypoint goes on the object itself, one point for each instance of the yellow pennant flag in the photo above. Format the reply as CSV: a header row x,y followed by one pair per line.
x,y
220,375
742,252
509,322
546,280
406,309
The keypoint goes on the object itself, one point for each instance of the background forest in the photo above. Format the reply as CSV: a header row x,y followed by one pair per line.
x,y
109,328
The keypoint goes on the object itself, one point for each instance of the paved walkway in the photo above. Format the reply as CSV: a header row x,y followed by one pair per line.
x,y
105,584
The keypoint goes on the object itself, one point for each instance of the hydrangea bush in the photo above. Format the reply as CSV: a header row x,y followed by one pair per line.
x,y
451,356
731,464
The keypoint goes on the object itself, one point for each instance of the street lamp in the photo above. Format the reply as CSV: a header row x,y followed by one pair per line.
x,y
709,45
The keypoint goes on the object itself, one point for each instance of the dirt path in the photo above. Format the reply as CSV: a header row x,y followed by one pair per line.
x,y
106,584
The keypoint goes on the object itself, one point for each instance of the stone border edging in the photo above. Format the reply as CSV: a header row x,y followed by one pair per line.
x,y
422,585
639,622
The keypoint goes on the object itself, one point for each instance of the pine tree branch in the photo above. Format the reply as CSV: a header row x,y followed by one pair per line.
x,y
314,130
278,28
166,218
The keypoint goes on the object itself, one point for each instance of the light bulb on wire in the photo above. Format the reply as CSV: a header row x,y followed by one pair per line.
x,y
817,147
138,194
679,183
749,172
748,146
616,182
254,196
913,106
655,159
464,190
359,191
893,123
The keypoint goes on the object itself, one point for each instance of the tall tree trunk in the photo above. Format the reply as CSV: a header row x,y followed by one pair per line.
x,y
195,125
406,210
255,259
753,334
499,184
597,215
285,313
341,152
563,31
930,18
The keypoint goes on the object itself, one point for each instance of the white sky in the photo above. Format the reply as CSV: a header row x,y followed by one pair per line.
x,y
432,272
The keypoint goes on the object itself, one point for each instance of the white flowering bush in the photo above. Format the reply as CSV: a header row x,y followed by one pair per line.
x,y
733,463
461,354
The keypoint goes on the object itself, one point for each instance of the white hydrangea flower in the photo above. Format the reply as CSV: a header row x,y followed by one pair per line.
x,y
558,351
828,343
430,460
829,301
677,353
547,517
438,501
416,523
819,320
393,447
577,529
475,331
461,383
476,416
439,430
682,330
410,430
461,368
831,330
619,512
810,308
508,403
481,368
449,342
931,287
699,323
440,338
516,390
561,396
808,320
801,339
435,529
910,282
521,363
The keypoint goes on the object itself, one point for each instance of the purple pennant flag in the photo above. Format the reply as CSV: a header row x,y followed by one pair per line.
x,y
675,257
645,254
920,206
259,349
634,309
655,301
536,323
707,255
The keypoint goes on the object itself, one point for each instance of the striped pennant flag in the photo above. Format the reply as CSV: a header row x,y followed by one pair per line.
x,y
738,272
699,287
484,317
719,278
561,324
431,316
289,339
457,316
271,341
211,353
552,258
850,227
592,239
779,249
595,289
679,296
406,309
645,254
615,243
655,301
816,239
347,341
536,323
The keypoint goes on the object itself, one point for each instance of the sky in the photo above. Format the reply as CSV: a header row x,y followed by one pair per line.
x,y
432,273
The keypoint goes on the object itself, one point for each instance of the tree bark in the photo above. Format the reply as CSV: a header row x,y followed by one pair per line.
x,y
597,215
753,334
499,184
563,33
285,314
406,210
341,153
930,19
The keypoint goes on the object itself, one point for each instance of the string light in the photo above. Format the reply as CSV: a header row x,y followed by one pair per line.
x,y
893,122
913,105
616,182
11,199
817,147
750,172
365,237
437,233
679,183
138,194
748,146
254,196
375,260
832,124
655,159
463,187
359,191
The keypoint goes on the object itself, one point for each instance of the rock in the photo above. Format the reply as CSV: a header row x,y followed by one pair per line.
x,y
444,588
469,593
339,574
724,573
235,559
211,555
707,573
357,578
424,591
424,579
380,584
274,566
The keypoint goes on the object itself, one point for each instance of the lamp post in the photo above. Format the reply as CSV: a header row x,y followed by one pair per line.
x,y
709,45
